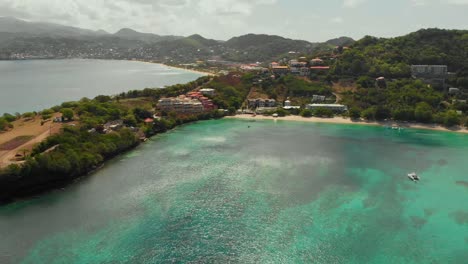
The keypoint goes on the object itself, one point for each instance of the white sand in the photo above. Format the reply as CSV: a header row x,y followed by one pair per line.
x,y
341,120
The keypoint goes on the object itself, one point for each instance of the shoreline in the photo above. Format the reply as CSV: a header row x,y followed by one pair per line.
x,y
347,121
144,61
178,68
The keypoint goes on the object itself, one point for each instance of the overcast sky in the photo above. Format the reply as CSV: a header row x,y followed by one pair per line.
x,y
313,20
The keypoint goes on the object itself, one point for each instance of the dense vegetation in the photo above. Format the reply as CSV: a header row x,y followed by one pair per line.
x,y
79,149
392,58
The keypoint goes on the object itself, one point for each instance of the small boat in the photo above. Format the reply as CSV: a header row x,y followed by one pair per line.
x,y
413,176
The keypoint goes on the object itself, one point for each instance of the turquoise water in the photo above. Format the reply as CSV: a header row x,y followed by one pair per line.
x,y
34,85
277,192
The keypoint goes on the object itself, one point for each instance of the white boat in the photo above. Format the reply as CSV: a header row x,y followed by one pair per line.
x,y
413,176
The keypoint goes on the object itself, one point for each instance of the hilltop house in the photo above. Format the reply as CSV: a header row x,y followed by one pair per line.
x,y
208,91
280,70
316,62
297,67
431,74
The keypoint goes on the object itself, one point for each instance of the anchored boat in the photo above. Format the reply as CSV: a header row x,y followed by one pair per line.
x,y
413,176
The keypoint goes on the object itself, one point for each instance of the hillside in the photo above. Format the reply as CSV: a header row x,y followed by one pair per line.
x,y
341,41
392,57
253,47
130,34
25,28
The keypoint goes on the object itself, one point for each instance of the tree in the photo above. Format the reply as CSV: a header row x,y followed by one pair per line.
x,y
281,112
423,112
46,114
67,113
369,113
354,113
306,113
451,118
323,112
9,117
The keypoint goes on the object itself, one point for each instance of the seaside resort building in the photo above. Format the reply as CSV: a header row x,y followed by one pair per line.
x,y
192,103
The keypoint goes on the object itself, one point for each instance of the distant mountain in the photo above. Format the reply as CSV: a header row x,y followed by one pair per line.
x,y
341,41
25,28
128,33
260,47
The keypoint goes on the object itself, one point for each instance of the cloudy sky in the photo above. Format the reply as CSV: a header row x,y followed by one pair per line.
x,y
313,20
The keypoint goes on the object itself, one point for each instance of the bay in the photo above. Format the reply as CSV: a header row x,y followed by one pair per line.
x,y
34,85
237,191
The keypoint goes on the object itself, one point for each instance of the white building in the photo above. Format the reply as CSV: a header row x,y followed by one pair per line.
x,y
208,91
333,107
318,98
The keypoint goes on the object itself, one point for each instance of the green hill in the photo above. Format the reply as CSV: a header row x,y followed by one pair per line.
x,y
392,57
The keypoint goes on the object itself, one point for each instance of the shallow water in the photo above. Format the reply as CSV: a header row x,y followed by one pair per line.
x,y
34,85
277,192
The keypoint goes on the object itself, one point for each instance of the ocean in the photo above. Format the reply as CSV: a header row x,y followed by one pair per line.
x,y
34,85
242,191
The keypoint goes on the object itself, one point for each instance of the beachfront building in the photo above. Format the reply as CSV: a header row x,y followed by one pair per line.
x,y
288,105
333,107
207,103
262,110
255,103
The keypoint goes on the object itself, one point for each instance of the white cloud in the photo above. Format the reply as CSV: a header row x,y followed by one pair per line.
x,y
181,17
337,20
418,2
458,2
353,3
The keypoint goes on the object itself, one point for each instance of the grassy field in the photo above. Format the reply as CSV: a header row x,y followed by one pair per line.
x,y
144,102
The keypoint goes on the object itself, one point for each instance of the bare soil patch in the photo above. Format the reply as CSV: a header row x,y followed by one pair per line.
x,y
15,143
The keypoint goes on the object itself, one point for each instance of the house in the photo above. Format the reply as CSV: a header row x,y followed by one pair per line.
x,y
319,68
208,91
429,71
454,90
280,70
273,64
149,121
115,125
380,82
262,110
431,74
333,107
256,103
304,71
316,62
318,98
296,67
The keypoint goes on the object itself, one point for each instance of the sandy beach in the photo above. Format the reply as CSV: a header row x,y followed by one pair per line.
x,y
342,120
190,70
179,68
